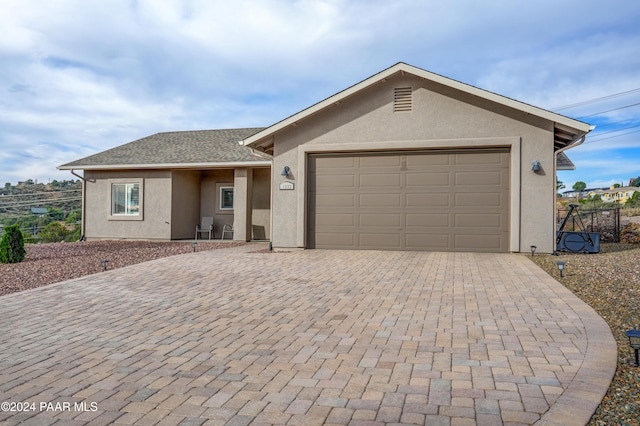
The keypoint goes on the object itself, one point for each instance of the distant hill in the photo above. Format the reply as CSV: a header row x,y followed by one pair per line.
x,y
33,205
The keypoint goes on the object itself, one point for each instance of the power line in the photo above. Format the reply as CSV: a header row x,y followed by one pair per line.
x,y
34,203
610,137
590,101
41,193
609,110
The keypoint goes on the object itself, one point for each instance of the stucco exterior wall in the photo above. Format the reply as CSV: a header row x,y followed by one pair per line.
x,y
261,212
156,219
185,203
441,118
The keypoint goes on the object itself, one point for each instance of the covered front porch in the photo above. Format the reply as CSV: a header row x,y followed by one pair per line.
x,y
236,197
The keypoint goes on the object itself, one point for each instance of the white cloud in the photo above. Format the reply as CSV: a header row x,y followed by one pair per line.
x,y
80,76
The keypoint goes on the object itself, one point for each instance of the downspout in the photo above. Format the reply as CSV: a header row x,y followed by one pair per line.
x,y
84,204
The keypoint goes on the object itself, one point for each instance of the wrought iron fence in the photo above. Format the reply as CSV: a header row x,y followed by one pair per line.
x,y
605,221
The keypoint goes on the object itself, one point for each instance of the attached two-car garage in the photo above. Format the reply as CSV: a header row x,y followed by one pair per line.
x,y
429,200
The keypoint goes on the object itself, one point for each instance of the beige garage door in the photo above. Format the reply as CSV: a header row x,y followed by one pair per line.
x,y
437,200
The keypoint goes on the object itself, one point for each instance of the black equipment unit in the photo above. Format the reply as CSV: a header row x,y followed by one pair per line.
x,y
576,242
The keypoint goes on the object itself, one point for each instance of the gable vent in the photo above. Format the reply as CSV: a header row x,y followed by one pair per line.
x,y
402,99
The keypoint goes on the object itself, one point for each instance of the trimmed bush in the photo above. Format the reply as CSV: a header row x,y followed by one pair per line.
x,y
12,245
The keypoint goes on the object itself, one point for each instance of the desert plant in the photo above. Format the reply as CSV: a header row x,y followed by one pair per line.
x,y
630,233
12,245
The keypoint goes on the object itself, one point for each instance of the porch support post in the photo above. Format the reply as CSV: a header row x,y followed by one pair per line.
x,y
242,203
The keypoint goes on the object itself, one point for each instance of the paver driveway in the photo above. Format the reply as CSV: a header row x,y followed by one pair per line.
x,y
306,337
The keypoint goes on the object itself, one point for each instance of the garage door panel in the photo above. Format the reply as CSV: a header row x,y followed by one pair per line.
x,y
433,242
334,200
478,220
434,159
428,220
379,161
487,158
380,180
444,200
380,200
380,219
422,180
327,182
335,219
335,239
477,200
479,179
321,164
427,199
481,243
380,240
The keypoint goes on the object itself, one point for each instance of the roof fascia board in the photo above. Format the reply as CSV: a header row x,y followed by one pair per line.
x,y
169,166
402,67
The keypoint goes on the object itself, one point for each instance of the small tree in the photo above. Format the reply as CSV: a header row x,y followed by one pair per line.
x,y
579,186
12,245
53,233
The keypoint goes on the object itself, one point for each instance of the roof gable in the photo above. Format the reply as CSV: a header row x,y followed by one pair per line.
x,y
200,148
566,130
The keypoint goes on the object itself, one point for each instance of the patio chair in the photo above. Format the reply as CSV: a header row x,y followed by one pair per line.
x,y
205,226
227,229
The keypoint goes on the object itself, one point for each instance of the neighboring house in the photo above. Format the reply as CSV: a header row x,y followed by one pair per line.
x,y
404,160
572,193
612,195
160,187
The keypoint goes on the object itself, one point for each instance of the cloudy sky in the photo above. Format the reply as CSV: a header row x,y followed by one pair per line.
x,y
80,76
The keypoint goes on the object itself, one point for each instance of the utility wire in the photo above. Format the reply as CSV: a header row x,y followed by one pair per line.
x,y
609,110
609,137
38,202
66,191
591,101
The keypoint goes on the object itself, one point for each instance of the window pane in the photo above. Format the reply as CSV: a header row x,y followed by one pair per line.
x,y
226,198
119,199
125,199
133,192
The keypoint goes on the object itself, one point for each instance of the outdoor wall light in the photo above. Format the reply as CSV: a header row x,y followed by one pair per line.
x,y
560,267
533,250
104,262
285,171
634,341
535,166
194,245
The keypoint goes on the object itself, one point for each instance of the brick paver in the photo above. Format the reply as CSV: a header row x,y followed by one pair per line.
x,y
240,337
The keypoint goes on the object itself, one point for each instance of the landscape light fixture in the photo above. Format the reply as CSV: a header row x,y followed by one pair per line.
x,y
560,267
535,166
533,250
634,341
104,262
285,171
194,245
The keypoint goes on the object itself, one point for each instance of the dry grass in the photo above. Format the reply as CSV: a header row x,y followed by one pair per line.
x,y
610,283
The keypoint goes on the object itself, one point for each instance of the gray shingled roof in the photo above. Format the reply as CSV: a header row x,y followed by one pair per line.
x,y
564,163
177,148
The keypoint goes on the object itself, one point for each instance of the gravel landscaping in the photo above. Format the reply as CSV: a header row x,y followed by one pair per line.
x,y
55,262
610,283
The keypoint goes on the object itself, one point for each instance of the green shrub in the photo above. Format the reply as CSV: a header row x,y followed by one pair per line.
x,y
12,245
53,233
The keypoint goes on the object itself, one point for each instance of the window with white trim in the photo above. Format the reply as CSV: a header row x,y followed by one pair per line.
x,y
226,198
125,199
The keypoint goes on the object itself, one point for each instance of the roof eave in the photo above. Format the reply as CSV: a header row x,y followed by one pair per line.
x,y
217,165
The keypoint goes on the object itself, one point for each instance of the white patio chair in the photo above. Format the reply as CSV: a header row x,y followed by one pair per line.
x,y
227,229
205,226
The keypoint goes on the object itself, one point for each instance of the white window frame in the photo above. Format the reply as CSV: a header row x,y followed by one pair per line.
x,y
128,183
221,192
